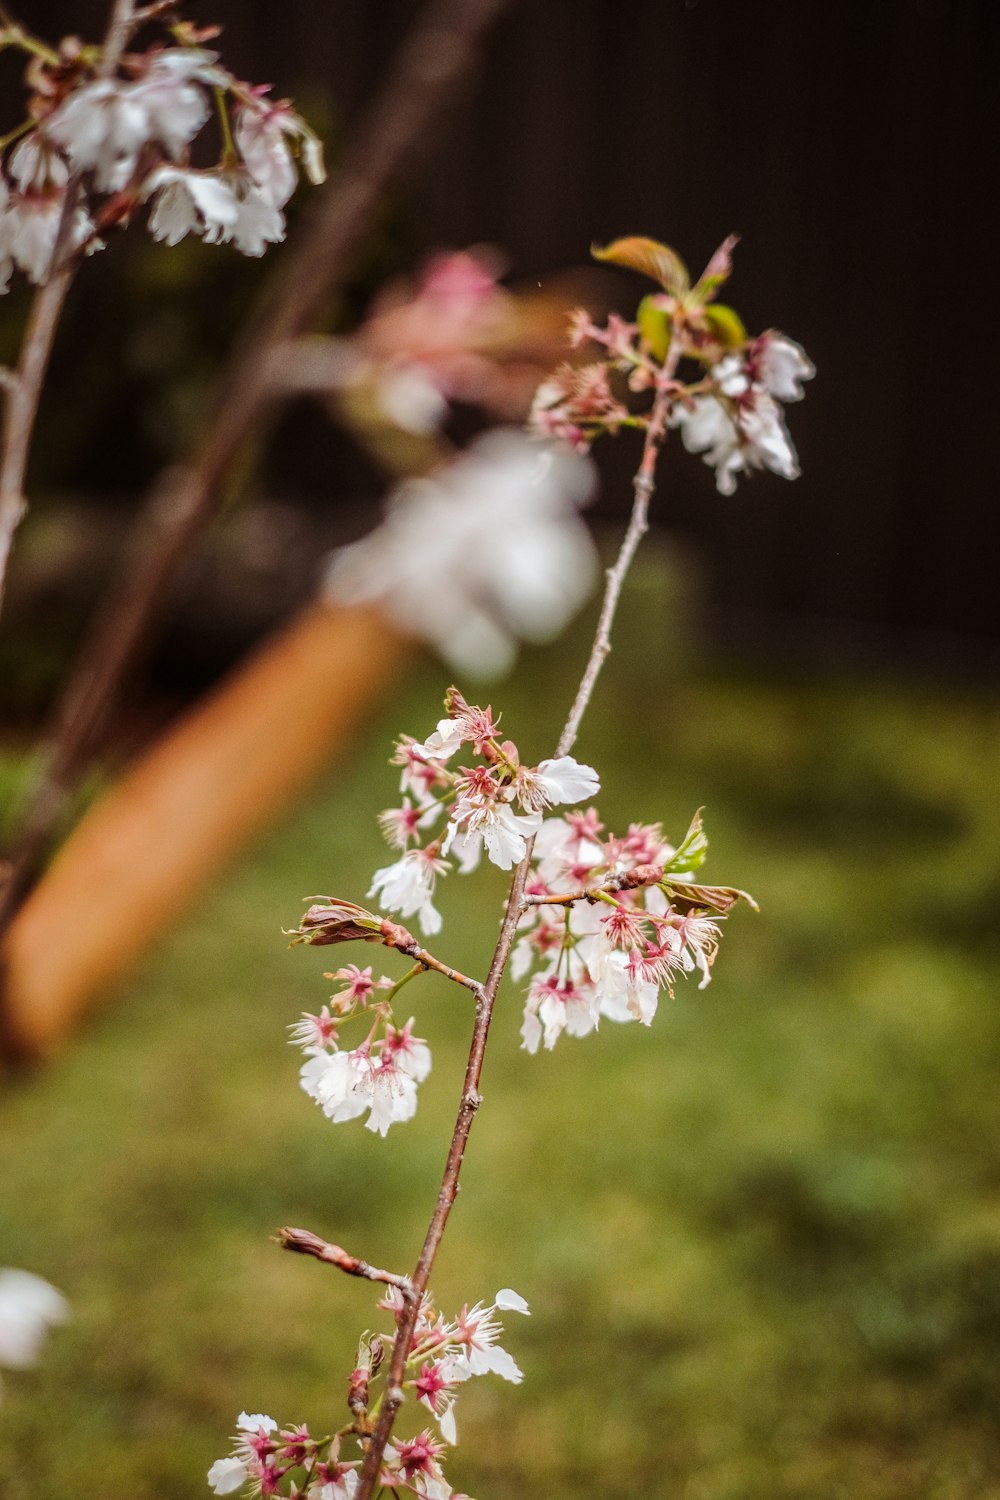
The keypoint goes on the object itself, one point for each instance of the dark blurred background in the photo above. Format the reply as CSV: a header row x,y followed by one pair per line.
x,y
848,145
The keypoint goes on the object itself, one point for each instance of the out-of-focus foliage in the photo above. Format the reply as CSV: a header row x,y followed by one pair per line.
x,y
760,1241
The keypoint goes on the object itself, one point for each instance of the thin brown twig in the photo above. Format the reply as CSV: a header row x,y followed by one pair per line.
x,y
631,880
440,50
471,1097
304,1242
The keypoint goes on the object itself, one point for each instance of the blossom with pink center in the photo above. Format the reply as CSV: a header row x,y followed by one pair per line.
x,y
544,939
554,1006
416,1464
314,1033
408,1052
407,887
345,1084
435,1386
475,1332
575,404
560,780
477,821
359,986
252,1448
335,1482
699,943
423,767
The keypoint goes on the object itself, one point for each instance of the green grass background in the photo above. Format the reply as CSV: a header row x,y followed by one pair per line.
x,y
761,1240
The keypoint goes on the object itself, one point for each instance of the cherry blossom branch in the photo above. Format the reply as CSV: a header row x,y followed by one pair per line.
x,y
471,1097
427,961
344,922
23,386
631,880
304,1242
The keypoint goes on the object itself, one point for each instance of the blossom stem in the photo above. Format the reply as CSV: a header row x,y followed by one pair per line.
x,y
486,995
391,994
427,960
16,37
230,156
304,1242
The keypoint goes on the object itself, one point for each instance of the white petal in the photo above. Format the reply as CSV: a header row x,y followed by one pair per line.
x,y
511,1301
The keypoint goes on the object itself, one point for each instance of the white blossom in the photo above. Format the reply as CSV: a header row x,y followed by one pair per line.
x,y
554,781
191,202
781,366
345,1084
478,821
175,108
707,428
485,551
407,887
101,127
227,1475
262,134
29,1307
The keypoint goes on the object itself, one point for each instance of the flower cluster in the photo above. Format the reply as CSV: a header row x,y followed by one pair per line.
x,y
29,1307
731,412
380,1074
443,1354
494,806
96,146
610,922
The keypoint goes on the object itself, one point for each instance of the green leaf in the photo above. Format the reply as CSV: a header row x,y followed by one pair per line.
x,y
649,258
725,325
720,899
655,326
691,853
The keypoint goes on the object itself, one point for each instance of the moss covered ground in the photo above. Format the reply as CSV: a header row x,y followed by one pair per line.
x,y
761,1240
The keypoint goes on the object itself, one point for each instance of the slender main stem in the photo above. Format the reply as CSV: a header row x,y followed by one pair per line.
x,y
485,1001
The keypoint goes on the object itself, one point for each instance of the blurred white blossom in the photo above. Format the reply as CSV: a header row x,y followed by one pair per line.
x,y
480,554
29,1307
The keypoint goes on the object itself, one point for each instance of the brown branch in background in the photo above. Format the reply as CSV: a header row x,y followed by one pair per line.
x,y
22,390
471,1098
441,49
304,1242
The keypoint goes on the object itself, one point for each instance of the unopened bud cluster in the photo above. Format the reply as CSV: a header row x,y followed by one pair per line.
x,y
102,138
443,1354
729,410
